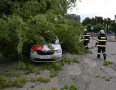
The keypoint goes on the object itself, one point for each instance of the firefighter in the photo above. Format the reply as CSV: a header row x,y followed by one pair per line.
x,y
101,44
86,38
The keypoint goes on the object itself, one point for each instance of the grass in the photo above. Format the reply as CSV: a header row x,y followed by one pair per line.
x,y
29,68
36,70
107,79
107,63
66,87
101,68
71,87
53,67
20,80
32,86
112,54
104,77
53,73
56,67
10,74
98,76
40,79
88,51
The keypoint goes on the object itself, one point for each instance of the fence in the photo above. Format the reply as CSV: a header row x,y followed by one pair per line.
x,y
110,36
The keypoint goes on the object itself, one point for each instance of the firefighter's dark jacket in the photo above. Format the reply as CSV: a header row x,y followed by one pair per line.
x,y
86,36
101,40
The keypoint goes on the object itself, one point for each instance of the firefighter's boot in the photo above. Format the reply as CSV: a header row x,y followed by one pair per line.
x,y
104,56
98,56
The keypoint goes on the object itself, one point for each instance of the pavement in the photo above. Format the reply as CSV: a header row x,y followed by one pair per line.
x,y
89,74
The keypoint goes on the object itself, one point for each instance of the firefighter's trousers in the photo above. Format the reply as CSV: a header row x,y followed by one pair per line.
x,y
85,43
103,49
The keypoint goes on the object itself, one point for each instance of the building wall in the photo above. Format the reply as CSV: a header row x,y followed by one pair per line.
x,y
74,16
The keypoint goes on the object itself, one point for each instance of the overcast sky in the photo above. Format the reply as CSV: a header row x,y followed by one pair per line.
x,y
92,8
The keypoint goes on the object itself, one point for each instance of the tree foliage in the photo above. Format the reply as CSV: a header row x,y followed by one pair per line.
x,y
89,26
24,23
86,21
98,27
113,27
69,33
96,20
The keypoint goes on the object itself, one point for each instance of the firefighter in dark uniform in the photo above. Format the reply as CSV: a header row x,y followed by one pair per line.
x,y
86,38
101,43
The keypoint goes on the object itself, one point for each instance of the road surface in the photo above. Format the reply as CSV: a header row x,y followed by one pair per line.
x,y
89,74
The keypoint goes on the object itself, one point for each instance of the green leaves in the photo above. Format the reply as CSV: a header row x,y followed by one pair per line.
x,y
113,26
98,27
69,34
28,22
107,63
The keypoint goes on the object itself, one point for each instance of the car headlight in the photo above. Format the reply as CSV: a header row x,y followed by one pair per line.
x,y
58,51
33,51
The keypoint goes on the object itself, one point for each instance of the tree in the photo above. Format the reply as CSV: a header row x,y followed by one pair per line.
x,y
99,20
5,7
93,21
96,20
113,27
98,27
86,21
89,26
27,22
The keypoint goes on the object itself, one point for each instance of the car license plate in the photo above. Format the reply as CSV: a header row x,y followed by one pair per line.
x,y
44,57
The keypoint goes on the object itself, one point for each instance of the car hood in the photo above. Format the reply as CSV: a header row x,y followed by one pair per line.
x,y
55,46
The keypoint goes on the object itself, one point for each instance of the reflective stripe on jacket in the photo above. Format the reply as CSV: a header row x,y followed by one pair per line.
x,y
86,36
101,40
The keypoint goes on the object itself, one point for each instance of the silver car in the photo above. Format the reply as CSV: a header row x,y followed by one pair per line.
x,y
43,52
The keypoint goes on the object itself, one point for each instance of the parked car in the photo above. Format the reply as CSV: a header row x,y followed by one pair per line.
x,y
43,52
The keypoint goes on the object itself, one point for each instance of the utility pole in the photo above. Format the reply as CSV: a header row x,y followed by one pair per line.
x,y
115,18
